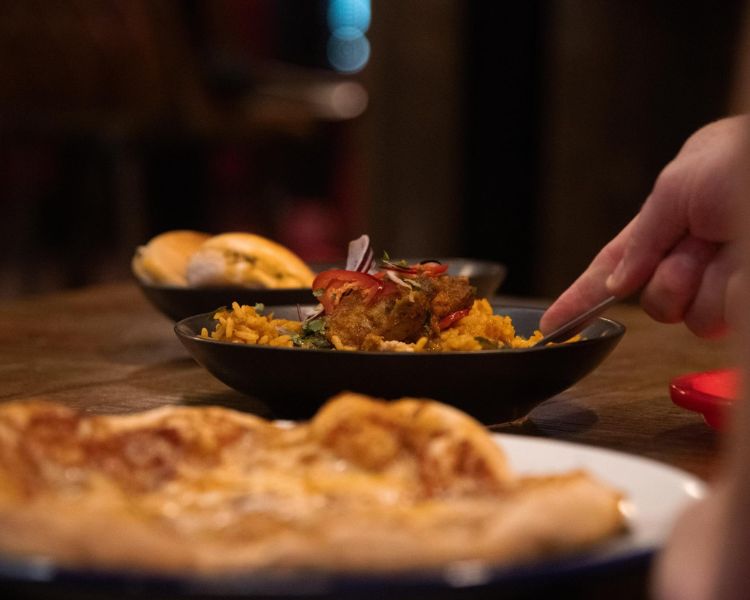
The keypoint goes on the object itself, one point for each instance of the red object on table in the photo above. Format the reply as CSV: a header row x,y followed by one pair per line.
x,y
711,393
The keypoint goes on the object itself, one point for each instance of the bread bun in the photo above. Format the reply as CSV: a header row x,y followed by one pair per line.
x,y
247,260
164,259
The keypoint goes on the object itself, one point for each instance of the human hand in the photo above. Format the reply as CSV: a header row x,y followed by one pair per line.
x,y
680,248
688,569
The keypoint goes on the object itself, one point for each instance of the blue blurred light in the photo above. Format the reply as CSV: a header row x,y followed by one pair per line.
x,y
349,13
348,53
347,33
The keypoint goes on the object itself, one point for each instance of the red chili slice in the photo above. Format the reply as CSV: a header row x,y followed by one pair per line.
x,y
430,269
452,318
324,279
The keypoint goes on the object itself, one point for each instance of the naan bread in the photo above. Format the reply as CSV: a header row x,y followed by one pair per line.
x,y
365,485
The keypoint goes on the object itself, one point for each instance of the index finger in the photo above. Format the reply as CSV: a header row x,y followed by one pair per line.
x,y
662,223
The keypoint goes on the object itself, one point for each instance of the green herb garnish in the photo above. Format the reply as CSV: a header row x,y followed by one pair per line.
x,y
388,261
314,326
312,335
487,344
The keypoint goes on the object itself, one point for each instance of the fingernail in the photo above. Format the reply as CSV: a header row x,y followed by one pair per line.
x,y
615,279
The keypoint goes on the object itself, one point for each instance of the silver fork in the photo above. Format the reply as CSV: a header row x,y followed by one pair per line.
x,y
576,324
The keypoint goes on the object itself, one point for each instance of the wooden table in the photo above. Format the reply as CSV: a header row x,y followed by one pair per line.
x,y
625,404
104,349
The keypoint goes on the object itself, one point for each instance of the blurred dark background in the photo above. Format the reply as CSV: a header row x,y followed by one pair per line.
x,y
526,132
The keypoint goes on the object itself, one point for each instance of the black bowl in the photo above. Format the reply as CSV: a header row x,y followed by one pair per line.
x,y
492,385
181,302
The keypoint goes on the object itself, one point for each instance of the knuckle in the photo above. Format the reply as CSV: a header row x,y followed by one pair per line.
x,y
669,184
659,308
668,294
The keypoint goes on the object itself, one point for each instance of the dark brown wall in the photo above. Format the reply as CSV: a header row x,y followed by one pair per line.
x,y
627,83
413,141
531,132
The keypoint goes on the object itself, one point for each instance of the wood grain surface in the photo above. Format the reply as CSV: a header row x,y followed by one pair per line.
x,y
105,349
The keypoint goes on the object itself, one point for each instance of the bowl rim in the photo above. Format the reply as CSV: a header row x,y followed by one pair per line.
x,y
214,288
493,267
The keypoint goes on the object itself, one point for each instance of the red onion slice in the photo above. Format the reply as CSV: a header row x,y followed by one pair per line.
x,y
396,279
360,255
358,258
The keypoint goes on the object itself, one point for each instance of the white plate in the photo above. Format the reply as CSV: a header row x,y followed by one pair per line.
x,y
656,493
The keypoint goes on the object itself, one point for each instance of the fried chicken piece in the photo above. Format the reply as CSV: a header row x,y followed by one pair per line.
x,y
400,316
451,294
405,315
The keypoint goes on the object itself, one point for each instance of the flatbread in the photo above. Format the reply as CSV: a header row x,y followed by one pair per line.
x,y
365,485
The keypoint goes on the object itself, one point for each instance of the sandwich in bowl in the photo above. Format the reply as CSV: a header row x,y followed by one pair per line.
x,y
163,260
187,258
247,260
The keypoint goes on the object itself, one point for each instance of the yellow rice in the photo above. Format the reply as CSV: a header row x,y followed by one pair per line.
x,y
482,323
243,325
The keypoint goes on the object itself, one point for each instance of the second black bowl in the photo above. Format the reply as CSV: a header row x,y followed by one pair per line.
x,y
181,302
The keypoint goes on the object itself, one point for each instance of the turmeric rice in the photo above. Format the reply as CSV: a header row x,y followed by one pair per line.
x,y
244,325
480,329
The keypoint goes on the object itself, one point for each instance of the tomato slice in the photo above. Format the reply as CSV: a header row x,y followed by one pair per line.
x,y
324,279
333,284
452,318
